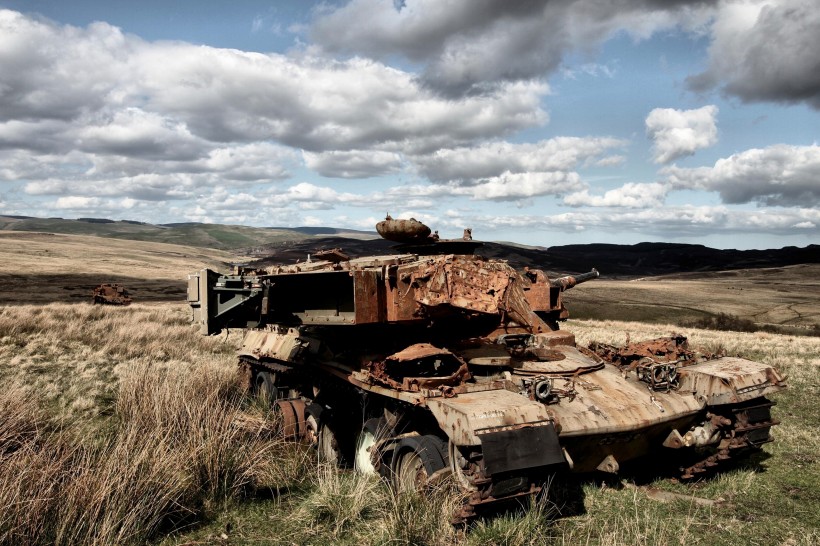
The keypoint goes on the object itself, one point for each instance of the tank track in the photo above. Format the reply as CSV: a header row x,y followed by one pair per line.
x,y
248,364
749,430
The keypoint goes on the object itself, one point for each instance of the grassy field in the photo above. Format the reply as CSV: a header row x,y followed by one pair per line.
x,y
46,267
786,296
123,425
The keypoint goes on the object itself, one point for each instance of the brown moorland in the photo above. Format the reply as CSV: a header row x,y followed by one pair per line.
x,y
123,425
784,296
47,267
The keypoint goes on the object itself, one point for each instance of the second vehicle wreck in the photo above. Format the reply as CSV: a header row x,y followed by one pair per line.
x,y
110,294
435,361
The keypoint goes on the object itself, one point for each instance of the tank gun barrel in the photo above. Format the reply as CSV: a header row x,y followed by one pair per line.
x,y
567,282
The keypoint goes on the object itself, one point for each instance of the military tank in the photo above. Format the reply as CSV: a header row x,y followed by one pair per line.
x,y
434,362
110,294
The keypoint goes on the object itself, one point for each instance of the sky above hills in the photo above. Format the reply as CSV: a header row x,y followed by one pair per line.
x,y
541,122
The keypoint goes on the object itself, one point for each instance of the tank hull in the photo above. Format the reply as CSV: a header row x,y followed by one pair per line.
x,y
417,367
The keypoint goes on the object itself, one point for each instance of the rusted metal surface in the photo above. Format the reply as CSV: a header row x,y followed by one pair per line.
x,y
420,366
402,231
745,427
565,283
110,294
544,294
334,255
292,415
464,416
729,380
662,495
279,344
453,350
666,349
368,296
607,404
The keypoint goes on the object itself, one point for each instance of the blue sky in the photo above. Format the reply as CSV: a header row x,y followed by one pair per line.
x,y
537,122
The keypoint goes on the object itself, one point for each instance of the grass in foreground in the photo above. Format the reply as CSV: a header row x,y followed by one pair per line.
x,y
123,425
175,454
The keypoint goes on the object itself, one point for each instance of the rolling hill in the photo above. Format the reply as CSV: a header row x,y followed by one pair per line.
x,y
288,245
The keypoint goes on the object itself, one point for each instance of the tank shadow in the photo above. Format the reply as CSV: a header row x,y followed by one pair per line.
x,y
651,469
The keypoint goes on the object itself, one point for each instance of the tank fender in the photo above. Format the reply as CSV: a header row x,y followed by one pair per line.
x,y
729,380
282,344
464,416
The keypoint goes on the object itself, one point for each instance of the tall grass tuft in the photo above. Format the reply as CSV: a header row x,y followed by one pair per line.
x,y
179,450
340,501
201,411
30,469
422,517
532,525
21,419
344,507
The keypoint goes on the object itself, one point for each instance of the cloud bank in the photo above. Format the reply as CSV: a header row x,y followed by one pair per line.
x,y
445,96
466,45
764,50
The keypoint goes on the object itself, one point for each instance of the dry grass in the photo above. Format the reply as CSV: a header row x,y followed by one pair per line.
x,y
343,507
31,253
45,267
176,454
72,356
122,425
163,445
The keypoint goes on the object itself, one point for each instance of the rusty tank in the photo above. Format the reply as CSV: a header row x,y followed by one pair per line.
x,y
435,362
110,294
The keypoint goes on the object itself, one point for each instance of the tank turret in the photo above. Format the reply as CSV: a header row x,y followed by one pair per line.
x,y
403,231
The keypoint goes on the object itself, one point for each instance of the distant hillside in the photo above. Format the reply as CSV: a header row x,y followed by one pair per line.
x,y
288,245
644,259
47,267
216,236
325,231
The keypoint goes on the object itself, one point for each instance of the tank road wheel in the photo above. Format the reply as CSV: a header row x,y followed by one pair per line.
x,y
264,386
290,417
372,431
329,449
416,459
463,469
322,432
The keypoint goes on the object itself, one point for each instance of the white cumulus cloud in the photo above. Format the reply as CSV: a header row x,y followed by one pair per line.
x,y
630,195
353,163
680,133
491,159
780,175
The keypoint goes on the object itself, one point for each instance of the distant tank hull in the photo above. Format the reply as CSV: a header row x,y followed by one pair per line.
x,y
110,294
